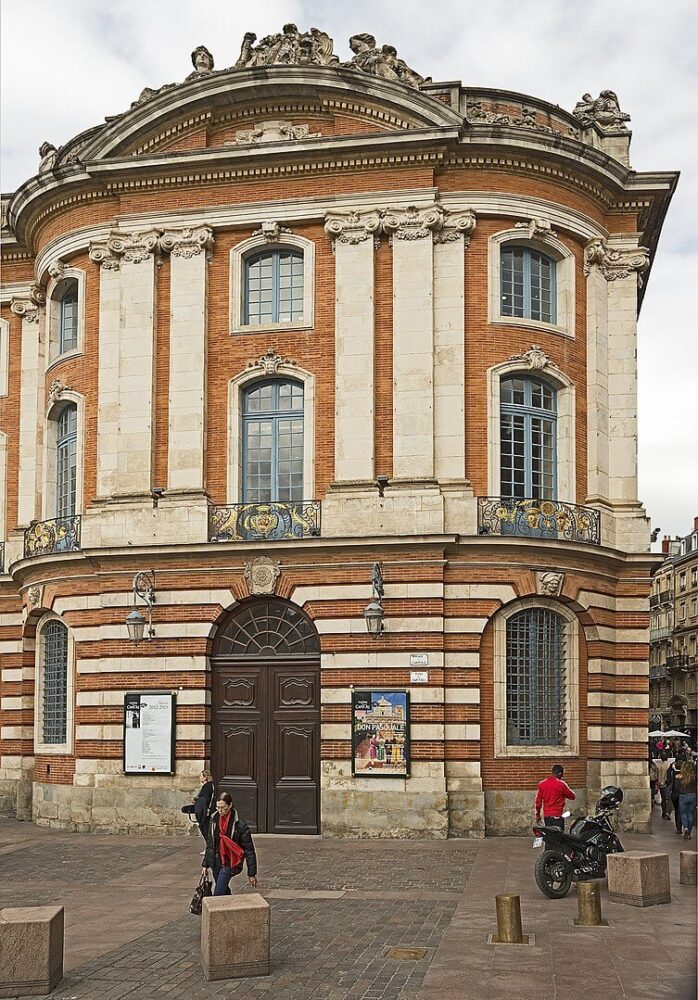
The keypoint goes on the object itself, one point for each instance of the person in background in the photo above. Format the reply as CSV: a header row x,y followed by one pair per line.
x,y
662,768
688,795
654,790
229,841
551,797
672,790
204,802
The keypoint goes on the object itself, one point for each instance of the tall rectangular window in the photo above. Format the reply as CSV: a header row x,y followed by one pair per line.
x,y
272,435
54,637
528,284
528,439
66,461
68,318
535,682
273,289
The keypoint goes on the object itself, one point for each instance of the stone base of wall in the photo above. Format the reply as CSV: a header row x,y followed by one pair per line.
x,y
466,815
384,814
15,798
635,814
511,813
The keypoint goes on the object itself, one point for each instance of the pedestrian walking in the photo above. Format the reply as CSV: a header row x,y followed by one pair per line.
x,y
688,795
662,768
672,789
228,844
204,802
551,797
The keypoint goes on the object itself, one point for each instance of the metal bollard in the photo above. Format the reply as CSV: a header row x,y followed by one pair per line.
x,y
509,919
589,902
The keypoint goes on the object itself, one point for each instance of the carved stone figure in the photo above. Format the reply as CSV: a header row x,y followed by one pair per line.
x,y
202,61
261,574
34,596
288,48
271,231
536,228
270,362
549,584
535,359
56,391
48,154
273,131
604,111
383,62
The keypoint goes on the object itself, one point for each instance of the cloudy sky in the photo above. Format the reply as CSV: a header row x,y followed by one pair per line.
x,y
68,63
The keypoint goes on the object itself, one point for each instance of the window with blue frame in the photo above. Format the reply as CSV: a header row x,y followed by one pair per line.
x,y
535,681
54,638
528,283
272,442
68,318
273,287
66,461
528,439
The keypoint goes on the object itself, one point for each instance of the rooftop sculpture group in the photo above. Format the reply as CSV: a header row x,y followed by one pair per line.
x,y
603,111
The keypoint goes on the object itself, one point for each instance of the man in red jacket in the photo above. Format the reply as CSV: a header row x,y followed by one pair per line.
x,y
552,793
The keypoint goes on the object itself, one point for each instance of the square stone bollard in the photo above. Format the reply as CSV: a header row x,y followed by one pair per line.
x,y
31,950
639,878
687,869
235,936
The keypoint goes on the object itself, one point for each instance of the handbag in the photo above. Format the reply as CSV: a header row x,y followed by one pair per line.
x,y
203,889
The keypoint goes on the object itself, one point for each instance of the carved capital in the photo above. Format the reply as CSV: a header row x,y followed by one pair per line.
x,y
134,248
535,359
37,295
615,263
188,242
26,308
261,574
353,227
271,231
270,362
413,223
100,253
456,224
537,228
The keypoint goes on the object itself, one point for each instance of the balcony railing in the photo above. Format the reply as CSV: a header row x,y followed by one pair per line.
x,y
665,632
658,673
538,519
666,597
654,600
262,522
60,534
2,557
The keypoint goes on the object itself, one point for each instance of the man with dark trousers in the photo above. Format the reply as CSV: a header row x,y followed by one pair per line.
x,y
552,793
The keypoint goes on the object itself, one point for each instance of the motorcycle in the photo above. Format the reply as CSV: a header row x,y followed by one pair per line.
x,y
579,855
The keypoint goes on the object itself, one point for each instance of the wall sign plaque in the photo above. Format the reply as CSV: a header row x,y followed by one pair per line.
x,y
149,732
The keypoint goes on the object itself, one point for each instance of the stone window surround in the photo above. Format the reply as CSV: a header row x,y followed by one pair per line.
x,y
284,370
54,749
53,316
50,445
571,657
238,255
4,357
566,411
564,281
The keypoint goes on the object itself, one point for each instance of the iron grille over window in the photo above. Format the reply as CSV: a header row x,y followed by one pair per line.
x,y
528,439
55,682
528,284
535,678
66,461
269,628
274,287
68,339
272,436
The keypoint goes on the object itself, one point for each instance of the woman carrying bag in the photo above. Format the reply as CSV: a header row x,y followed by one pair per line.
x,y
204,803
228,844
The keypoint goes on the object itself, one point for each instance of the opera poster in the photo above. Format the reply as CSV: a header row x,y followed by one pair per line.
x,y
381,734
149,733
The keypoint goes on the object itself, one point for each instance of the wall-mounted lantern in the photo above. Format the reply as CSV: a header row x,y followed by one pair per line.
x,y
373,612
143,588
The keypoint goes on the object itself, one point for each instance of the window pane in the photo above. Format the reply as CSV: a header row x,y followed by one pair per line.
x,y
55,682
535,678
527,284
273,446
66,462
273,287
528,439
68,319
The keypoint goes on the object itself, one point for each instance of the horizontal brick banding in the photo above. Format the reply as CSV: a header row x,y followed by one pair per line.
x,y
417,607
617,751
617,716
455,678
618,650
146,681
103,715
418,713
462,750
113,749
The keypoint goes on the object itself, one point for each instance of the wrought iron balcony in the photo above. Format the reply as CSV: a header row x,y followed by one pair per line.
x,y
659,672
538,519
262,522
666,597
656,634
60,534
654,600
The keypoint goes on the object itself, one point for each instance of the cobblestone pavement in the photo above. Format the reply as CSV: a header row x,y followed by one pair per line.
x,y
337,907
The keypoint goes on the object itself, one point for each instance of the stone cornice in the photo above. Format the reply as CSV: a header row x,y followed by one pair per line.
x,y
615,263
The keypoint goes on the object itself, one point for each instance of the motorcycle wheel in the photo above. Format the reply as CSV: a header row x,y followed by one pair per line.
x,y
553,874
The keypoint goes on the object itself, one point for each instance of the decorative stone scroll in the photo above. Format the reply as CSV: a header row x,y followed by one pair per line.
x,y
456,225
271,231
537,228
354,227
535,359
549,584
26,308
604,111
187,242
412,223
132,248
273,131
269,363
261,574
615,263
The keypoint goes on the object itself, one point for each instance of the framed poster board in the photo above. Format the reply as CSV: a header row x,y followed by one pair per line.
x,y
149,732
380,734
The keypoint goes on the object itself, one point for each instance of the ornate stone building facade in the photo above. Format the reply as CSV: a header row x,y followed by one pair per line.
x,y
272,326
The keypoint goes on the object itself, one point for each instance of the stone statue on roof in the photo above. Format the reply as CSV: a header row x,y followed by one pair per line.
x,y
202,61
288,48
383,62
604,111
48,154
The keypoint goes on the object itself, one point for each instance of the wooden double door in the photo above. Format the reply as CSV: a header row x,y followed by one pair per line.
x,y
265,746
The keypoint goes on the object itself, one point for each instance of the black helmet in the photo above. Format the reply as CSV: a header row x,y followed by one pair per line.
x,y
611,797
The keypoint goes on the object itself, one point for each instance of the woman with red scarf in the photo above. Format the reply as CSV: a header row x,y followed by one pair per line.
x,y
228,844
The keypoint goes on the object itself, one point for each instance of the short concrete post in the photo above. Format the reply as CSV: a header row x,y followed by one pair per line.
x,y
31,950
589,903
639,878
509,929
687,870
235,936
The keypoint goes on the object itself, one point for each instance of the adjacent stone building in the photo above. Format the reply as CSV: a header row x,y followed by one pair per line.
x,y
277,324
674,637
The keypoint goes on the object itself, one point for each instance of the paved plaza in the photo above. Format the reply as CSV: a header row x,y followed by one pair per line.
x,y
337,909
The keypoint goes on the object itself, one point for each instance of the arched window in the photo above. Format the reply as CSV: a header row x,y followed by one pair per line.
x,y
66,460
528,284
528,438
273,289
68,318
54,683
272,442
535,678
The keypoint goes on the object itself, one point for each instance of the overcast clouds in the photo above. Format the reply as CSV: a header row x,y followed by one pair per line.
x,y
68,63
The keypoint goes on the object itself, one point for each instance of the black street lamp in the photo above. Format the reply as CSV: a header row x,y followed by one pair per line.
x,y
373,612
143,588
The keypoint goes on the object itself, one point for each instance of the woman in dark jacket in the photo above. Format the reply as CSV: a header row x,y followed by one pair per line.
x,y
672,792
226,858
204,802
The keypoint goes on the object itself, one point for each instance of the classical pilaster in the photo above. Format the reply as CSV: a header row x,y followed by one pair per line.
x,y
31,422
189,251
410,231
126,415
354,236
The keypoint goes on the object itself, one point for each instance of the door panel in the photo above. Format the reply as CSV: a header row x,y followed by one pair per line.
x,y
295,750
239,739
